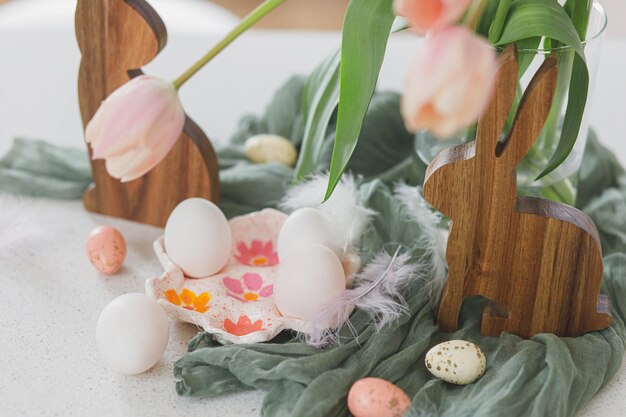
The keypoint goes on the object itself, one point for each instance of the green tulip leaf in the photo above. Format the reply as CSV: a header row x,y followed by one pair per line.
x,y
579,11
495,29
366,29
486,20
536,18
320,99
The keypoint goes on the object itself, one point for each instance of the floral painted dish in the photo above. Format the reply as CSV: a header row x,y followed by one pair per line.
x,y
236,304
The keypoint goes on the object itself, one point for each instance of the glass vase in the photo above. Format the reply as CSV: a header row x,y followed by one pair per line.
x,y
560,184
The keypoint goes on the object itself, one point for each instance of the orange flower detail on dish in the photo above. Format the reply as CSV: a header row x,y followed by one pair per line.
x,y
257,254
248,288
189,300
243,326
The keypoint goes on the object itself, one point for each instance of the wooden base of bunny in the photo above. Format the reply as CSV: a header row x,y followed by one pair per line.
x,y
533,281
116,38
538,262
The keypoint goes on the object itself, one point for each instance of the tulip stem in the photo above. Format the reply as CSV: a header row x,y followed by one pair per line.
x,y
474,13
247,22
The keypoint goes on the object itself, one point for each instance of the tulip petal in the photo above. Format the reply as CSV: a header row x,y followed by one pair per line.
x,y
450,82
453,10
428,15
448,101
140,168
126,116
129,164
121,120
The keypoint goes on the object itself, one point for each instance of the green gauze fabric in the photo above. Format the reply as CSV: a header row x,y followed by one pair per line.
x,y
543,376
385,151
38,169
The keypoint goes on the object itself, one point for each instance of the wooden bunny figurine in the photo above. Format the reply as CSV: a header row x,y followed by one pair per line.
x,y
117,38
537,262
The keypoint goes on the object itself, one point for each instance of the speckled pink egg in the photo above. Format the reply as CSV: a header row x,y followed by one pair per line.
x,y
375,397
106,249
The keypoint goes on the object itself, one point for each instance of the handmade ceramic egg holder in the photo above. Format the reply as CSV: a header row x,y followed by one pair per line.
x,y
236,305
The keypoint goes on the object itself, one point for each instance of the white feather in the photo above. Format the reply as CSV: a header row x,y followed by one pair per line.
x,y
377,290
432,240
349,217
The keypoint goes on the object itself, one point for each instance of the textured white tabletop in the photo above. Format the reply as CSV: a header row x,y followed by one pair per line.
x,y
51,296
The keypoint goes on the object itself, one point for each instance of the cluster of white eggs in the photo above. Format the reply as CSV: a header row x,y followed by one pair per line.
x,y
133,332
310,251
310,272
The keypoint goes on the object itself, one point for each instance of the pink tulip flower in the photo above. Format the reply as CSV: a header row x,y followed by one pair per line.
x,y
426,15
449,82
136,126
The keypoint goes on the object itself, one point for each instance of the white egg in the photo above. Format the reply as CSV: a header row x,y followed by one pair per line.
x,y
306,280
132,333
308,226
198,238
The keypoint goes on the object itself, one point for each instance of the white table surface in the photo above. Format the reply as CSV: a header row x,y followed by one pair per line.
x,y
51,296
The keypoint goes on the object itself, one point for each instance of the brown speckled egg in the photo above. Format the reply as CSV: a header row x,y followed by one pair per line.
x,y
106,249
456,361
375,397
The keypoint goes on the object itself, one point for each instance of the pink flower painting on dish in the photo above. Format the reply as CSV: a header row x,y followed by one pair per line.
x,y
248,288
257,254
243,326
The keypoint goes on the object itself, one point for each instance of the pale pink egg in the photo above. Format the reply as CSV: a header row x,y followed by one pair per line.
x,y
375,397
106,249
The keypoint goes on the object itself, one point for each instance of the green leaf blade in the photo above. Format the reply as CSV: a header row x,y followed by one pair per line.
x,y
547,18
579,11
537,18
366,29
573,116
320,98
495,30
489,14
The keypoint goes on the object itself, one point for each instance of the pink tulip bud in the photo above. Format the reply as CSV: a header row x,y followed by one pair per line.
x,y
426,15
449,82
136,126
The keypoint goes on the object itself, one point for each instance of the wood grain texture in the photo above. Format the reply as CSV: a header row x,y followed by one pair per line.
x,y
117,38
537,262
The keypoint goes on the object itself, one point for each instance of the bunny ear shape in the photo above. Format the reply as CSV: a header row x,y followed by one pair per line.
x,y
492,120
532,114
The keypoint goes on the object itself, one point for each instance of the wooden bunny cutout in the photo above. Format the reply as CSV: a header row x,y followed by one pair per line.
x,y
537,262
116,38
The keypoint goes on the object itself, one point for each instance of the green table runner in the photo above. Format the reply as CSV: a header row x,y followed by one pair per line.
x,y
543,376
